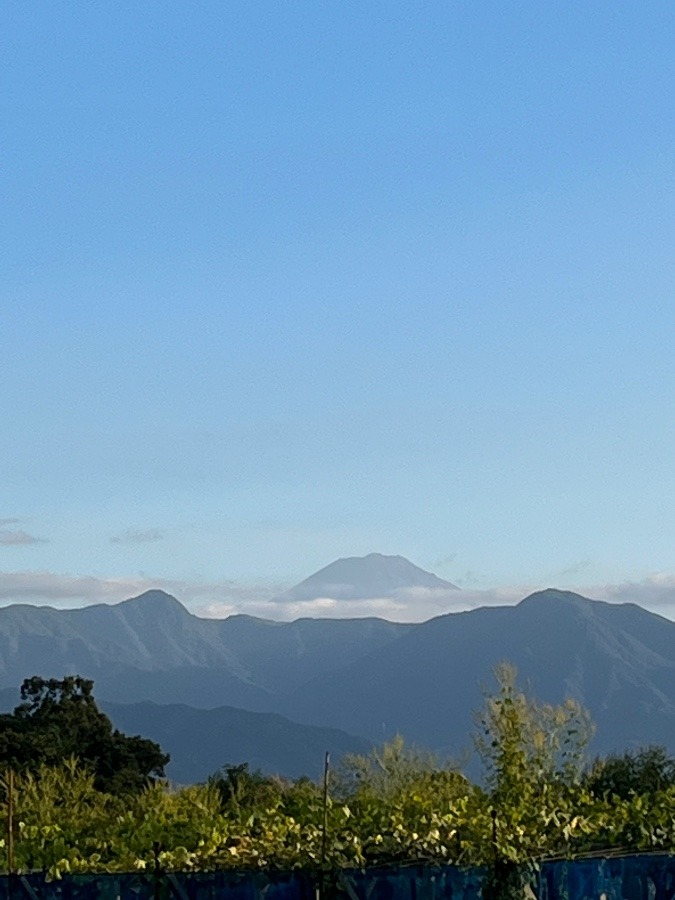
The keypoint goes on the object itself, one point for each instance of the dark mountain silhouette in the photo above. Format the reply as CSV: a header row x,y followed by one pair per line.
x,y
203,740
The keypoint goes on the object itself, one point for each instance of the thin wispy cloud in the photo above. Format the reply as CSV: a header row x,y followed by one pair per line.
x,y
656,592
575,569
10,521
68,590
448,560
18,538
134,536
63,590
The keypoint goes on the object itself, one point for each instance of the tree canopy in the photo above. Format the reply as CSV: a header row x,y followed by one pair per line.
x,y
635,772
58,719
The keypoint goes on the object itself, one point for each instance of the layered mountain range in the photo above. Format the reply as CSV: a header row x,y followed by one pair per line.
x,y
277,694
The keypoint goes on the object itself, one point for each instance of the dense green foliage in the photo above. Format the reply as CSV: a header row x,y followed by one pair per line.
x,y
644,771
395,805
59,719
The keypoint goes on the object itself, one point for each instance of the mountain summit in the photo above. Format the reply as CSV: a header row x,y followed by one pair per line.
x,y
365,578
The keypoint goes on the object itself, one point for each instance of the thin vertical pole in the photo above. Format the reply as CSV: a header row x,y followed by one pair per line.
x,y
324,836
10,834
324,832
10,823
157,869
498,874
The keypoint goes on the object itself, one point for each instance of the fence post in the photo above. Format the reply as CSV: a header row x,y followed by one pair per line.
x,y
157,869
10,833
324,832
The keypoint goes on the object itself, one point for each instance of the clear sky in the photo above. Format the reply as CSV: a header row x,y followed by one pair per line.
x,y
283,282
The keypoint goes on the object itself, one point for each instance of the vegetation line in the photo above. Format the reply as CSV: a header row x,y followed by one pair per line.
x,y
78,797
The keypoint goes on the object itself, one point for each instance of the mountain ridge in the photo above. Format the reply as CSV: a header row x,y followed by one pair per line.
x,y
558,647
368,677
203,740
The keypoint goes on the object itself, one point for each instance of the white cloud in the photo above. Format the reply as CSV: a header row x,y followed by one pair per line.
x,y
225,598
74,590
655,592
406,605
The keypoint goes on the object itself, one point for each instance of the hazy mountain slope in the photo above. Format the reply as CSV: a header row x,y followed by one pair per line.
x,y
282,655
366,577
148,632
427,684
202,740
151,647
365,676
272,659
202,688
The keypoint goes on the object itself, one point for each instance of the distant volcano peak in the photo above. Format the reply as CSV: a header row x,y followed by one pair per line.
x,y
366,577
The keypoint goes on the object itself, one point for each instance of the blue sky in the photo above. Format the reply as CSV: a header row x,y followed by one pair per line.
x,y
287,282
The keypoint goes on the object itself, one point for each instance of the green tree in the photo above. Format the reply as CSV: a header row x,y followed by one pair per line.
x,y
644,771
243,792
533,755
386,771
523,742
403,803
58,719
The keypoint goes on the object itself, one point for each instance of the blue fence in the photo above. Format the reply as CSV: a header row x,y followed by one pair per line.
x,y
644,877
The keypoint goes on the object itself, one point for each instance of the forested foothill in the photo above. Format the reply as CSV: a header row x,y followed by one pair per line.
x,y
86,798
